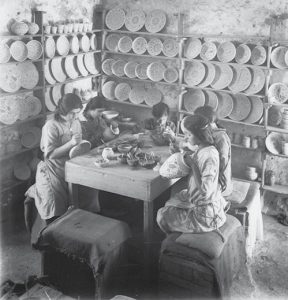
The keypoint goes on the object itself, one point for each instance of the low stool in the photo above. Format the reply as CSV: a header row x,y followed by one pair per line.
x,y
246,207
83,254
201,264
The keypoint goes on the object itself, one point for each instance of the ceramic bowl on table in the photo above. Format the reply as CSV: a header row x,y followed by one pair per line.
x,y
110,114
132,162
122,158
124,148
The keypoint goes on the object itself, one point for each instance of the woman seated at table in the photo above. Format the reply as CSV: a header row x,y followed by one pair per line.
x,y
163,131
94,128
199,207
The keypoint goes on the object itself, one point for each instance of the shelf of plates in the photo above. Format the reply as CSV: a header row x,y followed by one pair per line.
x,y
140,64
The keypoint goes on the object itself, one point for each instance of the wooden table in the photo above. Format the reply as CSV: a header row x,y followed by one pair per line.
x,y
138,183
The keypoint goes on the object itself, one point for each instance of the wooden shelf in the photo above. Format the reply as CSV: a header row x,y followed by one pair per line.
x,y
21,91
3,126
279,155
69,55
245,180
159,34
142,55
73,33
73,80
276,188
233,37
243,123
13,154
129,103
268,105
276,129
20,36
14,62
245,148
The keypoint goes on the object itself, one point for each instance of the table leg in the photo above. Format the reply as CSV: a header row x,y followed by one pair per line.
x,y
73,194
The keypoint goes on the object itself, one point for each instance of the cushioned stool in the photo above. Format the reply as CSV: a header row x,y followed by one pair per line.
x,y
82,254
201,265
246,207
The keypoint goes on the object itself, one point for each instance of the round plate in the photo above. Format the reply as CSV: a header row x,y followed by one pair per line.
x,y
194,73
141,70
223,77
35,49
137,95
130,69
274,140
122,91
258,55
50,47
18,51
274,116
226,52
84,43
243,54
74,44
56,93
155,21
170,75
125,44
153,96
93,42
5,54
80,65
69,67
111,42
155,71
34,105
80,149
193,99
62,45
192,48
115,18
24,108
154,47
241,107
139,45
57,70
92,63
135,19
170,47
9,110
107,66
225,105
256,112
278,57
50,105
210,72
278,93
10,78
29,75
257,81
211,99
208,51
118,68
108,90
241,79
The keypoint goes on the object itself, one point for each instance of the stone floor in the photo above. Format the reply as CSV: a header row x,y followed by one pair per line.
x,y
264,277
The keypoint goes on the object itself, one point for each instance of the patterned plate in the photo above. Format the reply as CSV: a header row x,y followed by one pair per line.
x,y
111,42
155,21
141,70
135,19
210,72
108,90
257,81
130,69
171,75
226,51
170,47
10,78
211,99
50,47
93,41
223,77
69,67
56,93
208,51
193,99
50,105
62,45
29,75
57,70
153,96
35,49
115,18
125,44
118,67
274,140
241,79
256,112
19,51
137,95
154,47
9,110
278,93
241,107
107,66
122,91
74,44
92,63
155,71
194,73
80,65
192,48
84,43
139,45
225,105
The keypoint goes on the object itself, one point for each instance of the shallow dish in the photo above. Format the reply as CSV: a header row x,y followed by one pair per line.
x,y
192,48
278,93
139,45
153,96
194,73
258,55
111,42
110,114
226,52
35,49
135,19
125,44
208,51
154,46
108,89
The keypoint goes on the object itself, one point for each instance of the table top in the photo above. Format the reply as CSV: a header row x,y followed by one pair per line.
x,y
135,182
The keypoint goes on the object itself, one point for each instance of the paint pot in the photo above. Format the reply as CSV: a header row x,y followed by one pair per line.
x,y
251,173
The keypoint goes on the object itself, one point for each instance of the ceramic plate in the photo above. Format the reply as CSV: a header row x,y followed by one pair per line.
x,y
74,44
10,78
115,18
92,63
80,65
34,105
243,54
4,53
170,47
171,75
278,93
57,70
62,45
211,99
107,66
257,81
137,95
50,105
35,49
226,52
223,77
118,67
278,57
69,67
242,79
19,51
141,70
192,48
56,93
130,69
241,107
80,149
122,91
274,142
154,47
256,112
155,71
50,47
108,90
194,73
208,51
9,110
258,55
29,75
155,21
135,19
210,72
193,99
125,44
93,41
153,96
225,105
111,42
84,43
139,45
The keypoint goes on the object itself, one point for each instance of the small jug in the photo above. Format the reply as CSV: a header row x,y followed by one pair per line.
x,y
107,153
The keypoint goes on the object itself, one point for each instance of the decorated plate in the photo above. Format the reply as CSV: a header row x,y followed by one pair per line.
x,y
194,73
278,57
122,91
226,51
19,51
107,66
154,46
241,107
9,110
155,71
115,18
69,67
139,45
256,112
137,95
135,19
80,65
50,47
258,55
208,51
130,69
125,44
278,93
155,21
242,78
92,63
62,45
108,90
118,67
29,75
111,42
153,96
193,99
35,49
170,47
57,70
141,70
274,141
225,105
171,75
192,48
223,77
243,54
210,72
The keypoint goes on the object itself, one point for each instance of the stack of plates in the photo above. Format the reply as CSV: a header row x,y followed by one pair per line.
x,y
211,99
35,49
118,68
193,99
62,45
10,78
107,66
192,48
278,93
130,69
139,45
241,107
141,70
257,81
226,52
208,51
256,112
154,47
84,43
69,67
223,77
122,91
56,94
93,42
153,96
29,75
170,47
135,19
241,79
225,105
111,42
50,47
9,110
115,18
137,95
108,90
125,44
279,57
243,54
194,73
210,72
19,51
74,44
80,65
50,105
155,71
170,75
92,63
155,21
56,68
258,55
4,53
